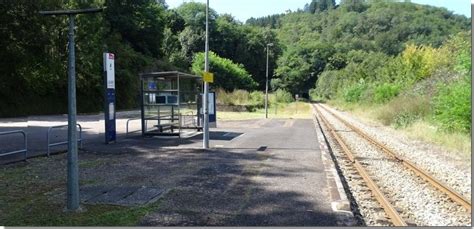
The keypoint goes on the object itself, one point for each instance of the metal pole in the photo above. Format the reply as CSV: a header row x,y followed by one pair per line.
x,y
266,87
206,86
72,157
72,165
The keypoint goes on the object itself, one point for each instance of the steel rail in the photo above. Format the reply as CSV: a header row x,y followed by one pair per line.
x,y
391,212
455,196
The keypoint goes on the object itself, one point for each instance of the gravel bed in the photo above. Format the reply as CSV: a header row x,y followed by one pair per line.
x,y
445,166
368,207
418,201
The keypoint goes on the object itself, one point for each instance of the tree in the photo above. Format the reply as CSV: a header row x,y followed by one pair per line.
x,y
317,6
139,22
194,15
227,74
299,67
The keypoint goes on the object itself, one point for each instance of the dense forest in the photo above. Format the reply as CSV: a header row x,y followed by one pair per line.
x,y
358,51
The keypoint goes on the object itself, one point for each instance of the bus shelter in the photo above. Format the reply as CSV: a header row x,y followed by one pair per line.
x,y
170,103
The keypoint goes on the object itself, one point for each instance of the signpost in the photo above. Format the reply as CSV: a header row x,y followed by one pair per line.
x,y
109,108
205,135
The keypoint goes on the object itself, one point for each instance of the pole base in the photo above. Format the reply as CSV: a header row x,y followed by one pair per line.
x,y
81,209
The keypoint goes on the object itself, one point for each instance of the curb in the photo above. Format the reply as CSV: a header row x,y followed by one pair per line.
x,y
339,201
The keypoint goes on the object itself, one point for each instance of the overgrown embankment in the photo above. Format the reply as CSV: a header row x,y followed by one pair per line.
x,y
424,87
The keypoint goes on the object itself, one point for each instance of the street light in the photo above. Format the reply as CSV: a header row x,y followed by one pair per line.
x,y
266,82
205,99
72,192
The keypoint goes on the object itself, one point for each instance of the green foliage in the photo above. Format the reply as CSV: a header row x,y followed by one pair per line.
x,y
257,98
403,111
34,53
361,38
452,106
253,100
353,94
328,84
385,92
298,67
380,42
282,96
317,6
272,21
227,74
194,15
139,22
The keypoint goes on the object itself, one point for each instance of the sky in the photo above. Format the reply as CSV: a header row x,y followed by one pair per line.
x,y
245,9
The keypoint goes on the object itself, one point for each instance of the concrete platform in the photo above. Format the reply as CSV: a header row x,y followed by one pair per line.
x,y
257,173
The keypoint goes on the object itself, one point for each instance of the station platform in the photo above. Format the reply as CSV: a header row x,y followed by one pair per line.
x,y
257,173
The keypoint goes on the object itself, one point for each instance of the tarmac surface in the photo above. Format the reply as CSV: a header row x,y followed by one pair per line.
x,y
257,173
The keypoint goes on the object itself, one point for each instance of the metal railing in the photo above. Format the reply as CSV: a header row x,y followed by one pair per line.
x,y
25,143
64,142
128,121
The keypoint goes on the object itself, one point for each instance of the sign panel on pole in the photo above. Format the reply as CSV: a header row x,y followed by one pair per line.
x,y
109,64
208,77
212,109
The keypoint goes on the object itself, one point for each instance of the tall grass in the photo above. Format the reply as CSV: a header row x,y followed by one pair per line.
x,y
402,111
255,98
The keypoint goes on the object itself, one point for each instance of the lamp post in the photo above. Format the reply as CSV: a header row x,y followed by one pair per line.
x,y
205,99
266,82
72,156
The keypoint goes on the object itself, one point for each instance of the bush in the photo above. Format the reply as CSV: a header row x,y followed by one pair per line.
x,y
385,92
227,74
328,84
240,97
452,107
353,94
223,97
403,111
257,98
282,96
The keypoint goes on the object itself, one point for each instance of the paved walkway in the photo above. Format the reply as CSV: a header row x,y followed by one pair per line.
x,y
258,173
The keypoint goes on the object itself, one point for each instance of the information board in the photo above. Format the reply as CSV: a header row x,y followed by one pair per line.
x,y
109,94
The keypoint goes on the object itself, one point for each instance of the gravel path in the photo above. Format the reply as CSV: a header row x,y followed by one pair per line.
x,y
418,201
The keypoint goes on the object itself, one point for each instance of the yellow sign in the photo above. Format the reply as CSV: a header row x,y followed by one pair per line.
x,y
208,77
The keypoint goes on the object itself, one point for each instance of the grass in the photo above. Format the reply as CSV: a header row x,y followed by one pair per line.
x,y
408,117
30,198
424,131
296,110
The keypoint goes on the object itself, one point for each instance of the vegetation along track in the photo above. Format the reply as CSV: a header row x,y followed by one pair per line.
x,y
390,211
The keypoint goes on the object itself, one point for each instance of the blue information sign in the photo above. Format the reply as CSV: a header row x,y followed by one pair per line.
x,y
109,108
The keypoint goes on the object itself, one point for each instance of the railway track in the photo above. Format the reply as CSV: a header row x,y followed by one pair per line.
x,y
390,211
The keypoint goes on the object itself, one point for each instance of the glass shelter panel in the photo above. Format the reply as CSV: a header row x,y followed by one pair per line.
x,y
170,103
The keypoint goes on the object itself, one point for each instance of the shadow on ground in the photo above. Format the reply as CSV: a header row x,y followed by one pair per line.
x,y
201,187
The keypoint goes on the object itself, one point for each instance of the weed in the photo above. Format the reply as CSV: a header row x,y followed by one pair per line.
x,y
385,92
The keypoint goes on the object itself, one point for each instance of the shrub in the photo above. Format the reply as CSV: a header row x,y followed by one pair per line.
x,y
452,107
403,111
227,74
223,97
386,92
240,97
257,98
353,94
282,96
